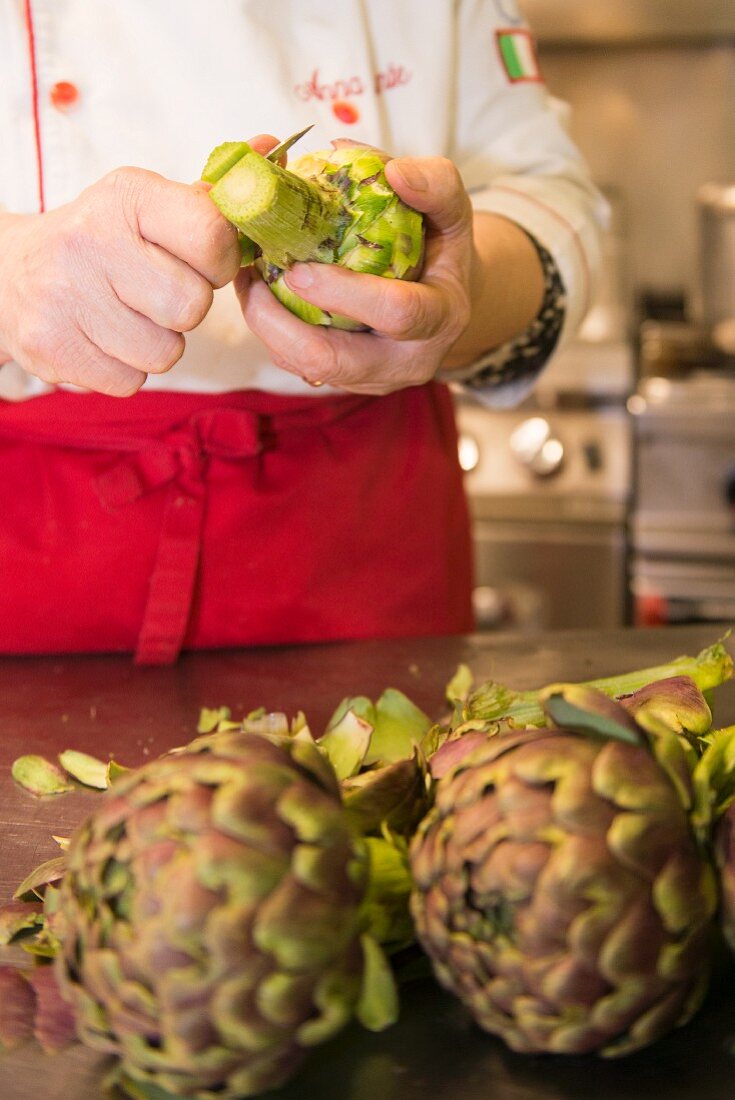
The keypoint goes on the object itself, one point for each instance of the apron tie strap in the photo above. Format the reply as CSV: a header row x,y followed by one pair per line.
x,y
177,462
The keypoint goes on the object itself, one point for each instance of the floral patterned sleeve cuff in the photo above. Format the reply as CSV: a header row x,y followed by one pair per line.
x,y
505,375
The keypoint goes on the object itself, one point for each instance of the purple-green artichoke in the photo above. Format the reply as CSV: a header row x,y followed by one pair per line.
x,y
560,890
210,916
725,850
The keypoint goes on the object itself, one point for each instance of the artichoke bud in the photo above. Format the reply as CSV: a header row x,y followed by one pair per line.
x,y
334,206
211,916
559,890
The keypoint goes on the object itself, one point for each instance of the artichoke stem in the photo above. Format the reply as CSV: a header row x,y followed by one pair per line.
x,y
288,217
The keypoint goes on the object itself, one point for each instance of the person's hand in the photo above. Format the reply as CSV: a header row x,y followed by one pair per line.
x,y
412,325
98,292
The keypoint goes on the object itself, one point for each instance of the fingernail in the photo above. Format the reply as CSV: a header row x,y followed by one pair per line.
x,y
299,276
411,173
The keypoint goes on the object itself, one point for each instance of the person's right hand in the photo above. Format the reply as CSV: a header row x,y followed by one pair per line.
x,y
98,292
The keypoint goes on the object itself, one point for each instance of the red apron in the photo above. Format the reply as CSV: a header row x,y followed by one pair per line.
x,y
170,520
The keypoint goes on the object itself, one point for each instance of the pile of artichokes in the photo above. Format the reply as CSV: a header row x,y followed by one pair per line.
x,y
564,857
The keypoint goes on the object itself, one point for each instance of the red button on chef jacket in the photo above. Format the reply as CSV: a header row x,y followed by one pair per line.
x,y
64,95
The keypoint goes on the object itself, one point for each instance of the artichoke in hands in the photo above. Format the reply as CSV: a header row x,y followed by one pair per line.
x,y
332,206
560,890
210,916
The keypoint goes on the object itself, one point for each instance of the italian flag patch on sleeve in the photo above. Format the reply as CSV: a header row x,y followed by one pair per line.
x,y
518,55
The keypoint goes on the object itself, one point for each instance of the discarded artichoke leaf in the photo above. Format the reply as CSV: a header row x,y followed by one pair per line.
x,y
19,919
62,841
40,776
377,1007
298,723
35,883
360,704
210,718
460,685
399,727
346,744
115,771
85,768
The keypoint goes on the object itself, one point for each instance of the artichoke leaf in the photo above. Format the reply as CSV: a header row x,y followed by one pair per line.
x,y
35,883
210,718
676,702
395,794
713,780
87,769
377,1007
585,710
346,743
459,687
115,771
40,776
399,727
19,919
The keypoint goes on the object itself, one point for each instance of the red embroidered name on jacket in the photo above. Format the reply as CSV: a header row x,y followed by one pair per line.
x,y
315,88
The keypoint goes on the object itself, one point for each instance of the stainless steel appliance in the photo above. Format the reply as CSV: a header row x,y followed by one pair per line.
x,y
549,485
630,21
683,517
716,203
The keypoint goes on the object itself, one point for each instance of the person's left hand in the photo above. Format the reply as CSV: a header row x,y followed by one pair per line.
x,y
412,325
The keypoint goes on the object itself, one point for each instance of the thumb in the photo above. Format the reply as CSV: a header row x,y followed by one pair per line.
x,y
434,186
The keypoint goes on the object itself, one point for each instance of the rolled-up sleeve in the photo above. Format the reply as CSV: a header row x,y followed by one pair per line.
x,y
515,155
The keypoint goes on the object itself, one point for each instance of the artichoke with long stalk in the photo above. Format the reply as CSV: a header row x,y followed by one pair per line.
x,y
332,206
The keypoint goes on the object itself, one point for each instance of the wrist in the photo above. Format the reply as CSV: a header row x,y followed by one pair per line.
x,y
506,289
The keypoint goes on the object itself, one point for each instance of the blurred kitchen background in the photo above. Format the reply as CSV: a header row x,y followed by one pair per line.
x,y
608,498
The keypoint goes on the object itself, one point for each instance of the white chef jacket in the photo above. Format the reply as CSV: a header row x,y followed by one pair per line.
x,y
158,83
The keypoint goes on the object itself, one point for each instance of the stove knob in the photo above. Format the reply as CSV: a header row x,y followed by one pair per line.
x,y
536,448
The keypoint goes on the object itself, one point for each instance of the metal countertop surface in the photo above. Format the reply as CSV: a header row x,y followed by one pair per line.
x,y
105,705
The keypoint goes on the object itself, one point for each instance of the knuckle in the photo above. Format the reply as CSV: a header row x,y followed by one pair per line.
x,y
404,313
124,183
35,340
124,386
165,351
191,304
314,358
216,239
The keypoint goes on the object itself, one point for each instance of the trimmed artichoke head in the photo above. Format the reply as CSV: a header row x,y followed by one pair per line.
x,y
210,916
560,892
332,206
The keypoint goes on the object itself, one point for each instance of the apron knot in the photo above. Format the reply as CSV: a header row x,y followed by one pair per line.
x,y
178,461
